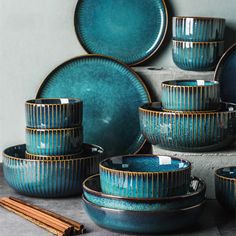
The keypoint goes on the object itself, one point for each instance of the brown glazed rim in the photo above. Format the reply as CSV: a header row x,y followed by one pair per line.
x,y
31,102
131,64
167,84
143,172
53,130
34,156
198,43
198,18
223,177
101,194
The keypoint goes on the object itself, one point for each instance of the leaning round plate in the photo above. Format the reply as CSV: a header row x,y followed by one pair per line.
x,y
111,93
130,31
225,74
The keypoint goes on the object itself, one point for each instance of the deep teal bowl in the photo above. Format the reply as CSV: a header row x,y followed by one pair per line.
x,y
145,176
188,131
145,222
198,29
190,95
225,187
54,141
53,113
93,193
50,178
197,56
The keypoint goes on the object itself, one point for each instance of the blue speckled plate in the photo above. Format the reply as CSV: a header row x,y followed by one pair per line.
x,y
129,30
111,94
226,75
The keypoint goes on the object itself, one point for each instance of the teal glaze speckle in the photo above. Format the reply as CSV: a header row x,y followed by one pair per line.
x,y
93,193
124,221
130,31
111,93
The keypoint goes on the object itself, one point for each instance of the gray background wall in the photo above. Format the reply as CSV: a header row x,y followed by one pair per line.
x,y
36,36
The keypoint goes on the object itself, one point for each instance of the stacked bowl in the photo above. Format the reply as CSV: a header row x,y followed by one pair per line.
x,y
198,42
143,194
55,161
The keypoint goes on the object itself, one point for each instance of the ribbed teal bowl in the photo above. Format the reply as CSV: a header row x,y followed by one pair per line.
x,y
144,176
190,95
197,56
53,113
188,131
54,141
225,187
49,178
198,29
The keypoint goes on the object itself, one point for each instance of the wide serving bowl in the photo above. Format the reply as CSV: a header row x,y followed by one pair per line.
x,y
190,95
146,222
197,56
93,193
53,113
225,187
144,176
49,178
54,141
198,29
188,131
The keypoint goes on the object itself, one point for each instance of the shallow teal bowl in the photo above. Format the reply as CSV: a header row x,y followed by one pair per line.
x,y
54,141
225,187
49,178
197,56
93,193
143,222
145,176
188,131
190,95
53,113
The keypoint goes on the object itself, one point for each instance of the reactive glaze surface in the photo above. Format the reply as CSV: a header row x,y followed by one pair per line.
x,y
130,31
111,93
49,178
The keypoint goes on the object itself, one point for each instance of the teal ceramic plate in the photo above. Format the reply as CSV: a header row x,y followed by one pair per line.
x,y
111,93
130,31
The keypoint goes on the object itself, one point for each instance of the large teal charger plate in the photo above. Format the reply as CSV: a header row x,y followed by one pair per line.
x,y
128,30
111,93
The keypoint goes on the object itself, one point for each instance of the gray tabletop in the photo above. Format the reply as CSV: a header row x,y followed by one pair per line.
x,y
214,220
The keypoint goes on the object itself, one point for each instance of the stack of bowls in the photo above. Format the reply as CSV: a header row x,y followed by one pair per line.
x,y
198,42
191,117
143,194
55,161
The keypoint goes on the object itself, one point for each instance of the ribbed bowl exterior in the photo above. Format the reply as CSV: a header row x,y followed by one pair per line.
x,y
51,178
198,29
54,141
53,116
197,56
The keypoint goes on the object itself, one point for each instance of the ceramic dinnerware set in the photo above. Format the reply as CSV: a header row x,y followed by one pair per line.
x,y
143,193
198,42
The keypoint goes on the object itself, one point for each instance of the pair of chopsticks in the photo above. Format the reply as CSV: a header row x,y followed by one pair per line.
x,y
54,223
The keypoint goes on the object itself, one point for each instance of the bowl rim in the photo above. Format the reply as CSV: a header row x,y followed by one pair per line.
x,y
194,42
199,18
167,83
48,130
32,102
224,177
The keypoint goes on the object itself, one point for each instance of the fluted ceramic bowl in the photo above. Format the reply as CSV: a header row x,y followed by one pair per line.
x,y
190,95
53,113
54,141
197,56
225,187
144,176
93,193
198,29
49,178
188,131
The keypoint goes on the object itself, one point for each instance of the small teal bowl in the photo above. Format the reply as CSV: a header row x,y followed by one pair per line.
x,y
49,178
53,113
143,222
190,95
225,187
51,142
145,176
188,131
93,193
197,56
198,29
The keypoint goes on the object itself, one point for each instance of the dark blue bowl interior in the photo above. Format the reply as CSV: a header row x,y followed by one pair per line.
x,y
193,83
228,172
53,101
145,163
